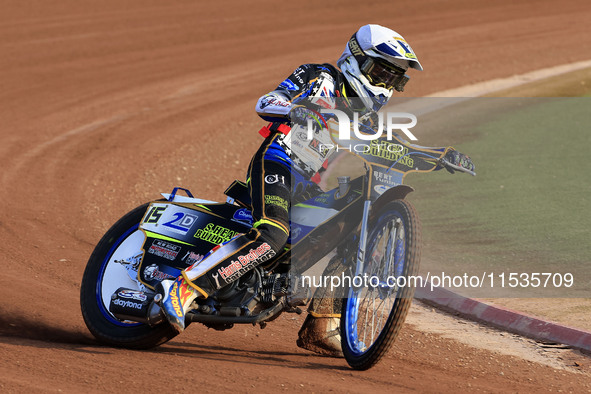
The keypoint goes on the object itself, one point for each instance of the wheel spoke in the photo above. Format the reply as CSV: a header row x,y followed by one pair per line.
x,y
373,319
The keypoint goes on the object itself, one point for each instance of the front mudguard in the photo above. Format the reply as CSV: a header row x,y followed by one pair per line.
x,y
396,193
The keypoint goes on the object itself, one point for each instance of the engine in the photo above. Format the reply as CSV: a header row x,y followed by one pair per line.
x,y
255,291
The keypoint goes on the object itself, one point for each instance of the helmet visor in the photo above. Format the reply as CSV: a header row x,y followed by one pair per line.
x,y
383,74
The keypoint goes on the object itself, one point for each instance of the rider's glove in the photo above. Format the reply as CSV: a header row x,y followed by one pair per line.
x,y
299,115
369,122
458,159
306,191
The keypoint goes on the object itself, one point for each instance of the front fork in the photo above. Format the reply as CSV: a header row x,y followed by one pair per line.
x,y
359,267
353,309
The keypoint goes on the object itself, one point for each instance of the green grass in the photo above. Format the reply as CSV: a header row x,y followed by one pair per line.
x,y
529,207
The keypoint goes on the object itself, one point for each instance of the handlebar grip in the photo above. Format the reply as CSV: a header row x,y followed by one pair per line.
x,y
446,163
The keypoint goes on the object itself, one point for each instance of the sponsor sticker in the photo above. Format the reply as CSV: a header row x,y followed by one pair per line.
x,y
214,234
274,178
272,100
289,85
181,222
164,249
174,299
390,152
380,189
132,294
243,215
276,200
383,177
296,231
302,135
355,48
318,147
152,272
244,263
297,73
192,258
127,304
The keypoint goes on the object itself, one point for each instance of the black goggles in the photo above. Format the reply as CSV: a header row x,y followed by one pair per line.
x,y
382,74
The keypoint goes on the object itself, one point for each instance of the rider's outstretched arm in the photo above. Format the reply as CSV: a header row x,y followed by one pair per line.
x,y
275,106
449,153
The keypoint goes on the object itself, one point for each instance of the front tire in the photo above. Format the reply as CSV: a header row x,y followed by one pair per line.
x,y
372,316
104,274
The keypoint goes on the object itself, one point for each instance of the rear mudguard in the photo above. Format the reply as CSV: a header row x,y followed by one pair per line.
x,y
179,234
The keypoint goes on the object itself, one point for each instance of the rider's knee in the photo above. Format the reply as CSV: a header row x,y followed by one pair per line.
x,y
274,234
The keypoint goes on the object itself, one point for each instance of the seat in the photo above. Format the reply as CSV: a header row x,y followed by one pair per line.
x,y
239,192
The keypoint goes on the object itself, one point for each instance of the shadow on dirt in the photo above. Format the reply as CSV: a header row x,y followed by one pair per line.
x,y
26,328
295,360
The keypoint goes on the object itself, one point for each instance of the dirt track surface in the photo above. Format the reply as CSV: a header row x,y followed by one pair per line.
x,y
105,104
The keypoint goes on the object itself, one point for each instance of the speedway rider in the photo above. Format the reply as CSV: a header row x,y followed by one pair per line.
x,y
372,66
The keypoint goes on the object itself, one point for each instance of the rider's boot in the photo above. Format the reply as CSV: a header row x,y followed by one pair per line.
x,y
178,296
321,334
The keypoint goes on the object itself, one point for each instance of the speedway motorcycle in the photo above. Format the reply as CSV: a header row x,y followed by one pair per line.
x,y
365,224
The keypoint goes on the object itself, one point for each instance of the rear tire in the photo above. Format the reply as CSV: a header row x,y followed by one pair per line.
x,y
103,276
369,325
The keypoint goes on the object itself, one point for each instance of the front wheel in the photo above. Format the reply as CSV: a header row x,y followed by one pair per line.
x,y
374,311
114,264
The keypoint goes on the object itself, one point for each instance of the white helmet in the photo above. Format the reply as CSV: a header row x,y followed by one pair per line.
x,y
374,63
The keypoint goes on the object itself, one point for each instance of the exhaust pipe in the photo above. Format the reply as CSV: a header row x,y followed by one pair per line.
x,y
136,305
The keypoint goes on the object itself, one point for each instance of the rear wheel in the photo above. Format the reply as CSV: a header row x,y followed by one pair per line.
x,y
112,264
373,313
